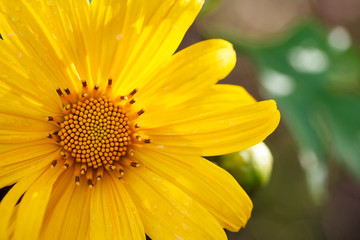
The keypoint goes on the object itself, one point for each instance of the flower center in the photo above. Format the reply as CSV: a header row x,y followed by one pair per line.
x,y
96,133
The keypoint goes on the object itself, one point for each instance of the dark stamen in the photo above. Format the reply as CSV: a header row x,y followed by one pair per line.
x,y
133,92
141,112
59,92
84,83
53,164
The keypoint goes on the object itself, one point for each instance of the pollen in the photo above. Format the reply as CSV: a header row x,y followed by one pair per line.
x,y
96,133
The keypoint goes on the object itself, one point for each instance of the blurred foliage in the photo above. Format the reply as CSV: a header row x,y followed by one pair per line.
x,y
209,6
251,167
313,74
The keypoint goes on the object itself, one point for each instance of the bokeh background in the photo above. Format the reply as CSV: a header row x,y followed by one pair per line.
x,y
305,55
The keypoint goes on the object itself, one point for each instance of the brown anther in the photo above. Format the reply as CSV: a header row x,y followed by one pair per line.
x,y
59,92
134,164
137,125
50,118
67,91
133,92
109,82
132,101
148,140
96,87
139,138
77,180
68,163
84,83
140,112
54,162
90,183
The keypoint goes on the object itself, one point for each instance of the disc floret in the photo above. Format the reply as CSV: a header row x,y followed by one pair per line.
x,y
96,133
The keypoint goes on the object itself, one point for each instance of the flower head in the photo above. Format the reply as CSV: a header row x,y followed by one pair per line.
x,y
102,126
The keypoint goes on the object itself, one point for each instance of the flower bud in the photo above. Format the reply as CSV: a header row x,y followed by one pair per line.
x,y
251,167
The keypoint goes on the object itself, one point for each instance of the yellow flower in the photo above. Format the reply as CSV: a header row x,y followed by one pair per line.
x,y
102,126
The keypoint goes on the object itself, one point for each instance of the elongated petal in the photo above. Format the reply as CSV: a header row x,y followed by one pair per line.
x,y
43,45
7,206
33,205
113,215
14,172
58,205
210,185
216,99
166,211
165,24
189,73
18,161
76,220
210,128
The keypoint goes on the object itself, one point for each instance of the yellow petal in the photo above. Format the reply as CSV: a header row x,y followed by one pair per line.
x,y
75,224
115,26
18,160
56,210
7,206
43,45
214,128
189,73
22,153
211,186
217,99
113,215
166,211
68,211
33,205
12,173
165,24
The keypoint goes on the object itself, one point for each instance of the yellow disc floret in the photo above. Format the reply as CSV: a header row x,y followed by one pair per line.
x,y
96,132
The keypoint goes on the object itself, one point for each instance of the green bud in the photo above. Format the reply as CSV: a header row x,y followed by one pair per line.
x,y
251,167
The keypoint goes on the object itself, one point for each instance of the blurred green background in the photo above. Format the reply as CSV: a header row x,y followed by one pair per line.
x,y
304,54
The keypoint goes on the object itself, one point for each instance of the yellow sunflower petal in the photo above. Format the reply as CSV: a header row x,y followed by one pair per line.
x,y
115,27
68,211
113,215
211,186
166,211
189,73
75,224
216,99
214,128
33,205
165,24
42,42
11,173
7,206
57,207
